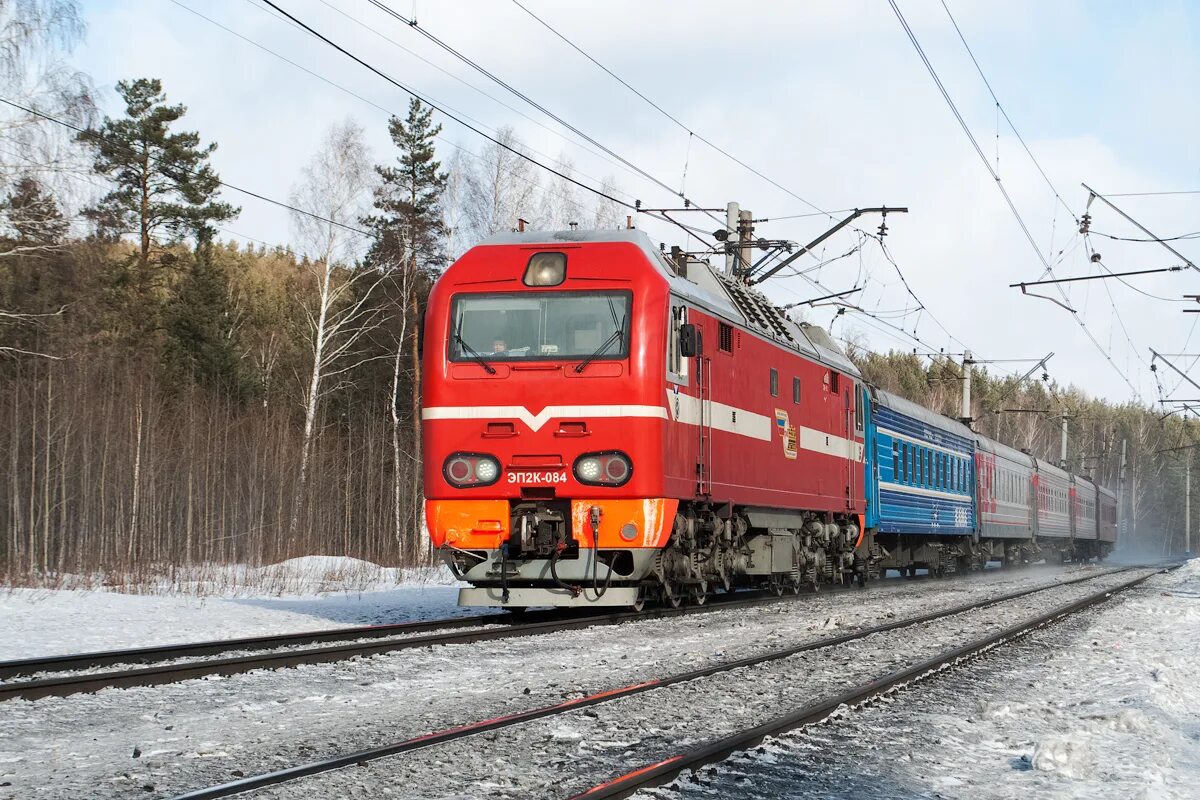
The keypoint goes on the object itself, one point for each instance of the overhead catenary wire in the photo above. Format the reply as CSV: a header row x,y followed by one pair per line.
x,y
664,217
1187,342
684,126
441,108
1120,320
903,280
693,134
806,215
1193,235
1093,194
402,87
1153,194
1000,108
912,37
391,113
553,131
91,181
412,23
157,160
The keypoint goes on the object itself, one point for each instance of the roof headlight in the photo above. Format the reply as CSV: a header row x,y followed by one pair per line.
x,y
546,269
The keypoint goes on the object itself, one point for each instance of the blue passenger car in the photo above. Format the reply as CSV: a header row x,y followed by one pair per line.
x,y
921,471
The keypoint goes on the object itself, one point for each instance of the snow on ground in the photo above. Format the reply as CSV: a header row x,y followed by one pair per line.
x,y
316,592
1104,705
562,755
116,742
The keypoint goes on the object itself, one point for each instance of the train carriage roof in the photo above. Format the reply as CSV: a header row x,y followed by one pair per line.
x,y
1003,451
717,293
1046,468
916,411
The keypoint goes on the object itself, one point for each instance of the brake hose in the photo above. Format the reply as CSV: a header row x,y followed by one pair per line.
x,y
596,563
559,582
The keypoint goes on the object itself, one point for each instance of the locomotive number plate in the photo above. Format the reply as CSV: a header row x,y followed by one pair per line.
x,y
550,476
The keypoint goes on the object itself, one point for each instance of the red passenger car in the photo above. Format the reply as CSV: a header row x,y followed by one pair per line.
x,y
603,425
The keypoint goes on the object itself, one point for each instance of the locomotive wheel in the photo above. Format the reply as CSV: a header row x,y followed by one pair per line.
x,y
640,602
697,594
724,583
671,597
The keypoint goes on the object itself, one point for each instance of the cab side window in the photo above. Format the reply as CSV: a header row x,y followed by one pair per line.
x,y
676,364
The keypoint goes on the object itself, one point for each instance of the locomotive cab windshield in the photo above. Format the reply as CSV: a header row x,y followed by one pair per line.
x,y
540,326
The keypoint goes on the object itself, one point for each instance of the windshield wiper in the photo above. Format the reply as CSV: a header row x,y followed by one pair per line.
x,y
609,342
471,351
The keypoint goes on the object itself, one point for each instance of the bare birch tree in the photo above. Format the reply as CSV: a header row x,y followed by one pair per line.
x,y
608,214
335,186
501,188
35,35
560,202
459,235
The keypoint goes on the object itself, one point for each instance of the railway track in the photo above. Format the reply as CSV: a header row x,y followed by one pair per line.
x,y
666,770
156,666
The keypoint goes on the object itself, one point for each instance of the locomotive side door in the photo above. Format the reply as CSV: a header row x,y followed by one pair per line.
x,y
686,380
856,429
853,424
691,350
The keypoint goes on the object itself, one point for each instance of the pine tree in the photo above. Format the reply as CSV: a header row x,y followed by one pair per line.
x,y
408,223
163,188
200,343
163,179
409,246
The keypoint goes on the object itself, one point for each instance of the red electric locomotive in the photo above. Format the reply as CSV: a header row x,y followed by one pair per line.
x,y
604,426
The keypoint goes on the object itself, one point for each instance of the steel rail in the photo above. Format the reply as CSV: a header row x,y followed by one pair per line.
x,y
72,662
252,782
147,655
161,674
667,770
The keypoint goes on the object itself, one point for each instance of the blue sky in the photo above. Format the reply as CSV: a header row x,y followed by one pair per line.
x,y
829,98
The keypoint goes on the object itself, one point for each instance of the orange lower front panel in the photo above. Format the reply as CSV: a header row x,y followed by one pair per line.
x,y
484,524
645,522
467,524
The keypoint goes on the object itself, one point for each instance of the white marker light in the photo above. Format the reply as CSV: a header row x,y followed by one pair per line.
x,y
589,469
486,470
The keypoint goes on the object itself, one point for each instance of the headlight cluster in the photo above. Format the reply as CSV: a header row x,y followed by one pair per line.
x,y
612,468
471,469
